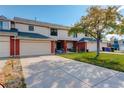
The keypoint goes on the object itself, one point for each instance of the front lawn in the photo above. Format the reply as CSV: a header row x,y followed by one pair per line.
x,y
111,61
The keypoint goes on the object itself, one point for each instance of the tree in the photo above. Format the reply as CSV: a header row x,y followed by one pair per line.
x,y
99,21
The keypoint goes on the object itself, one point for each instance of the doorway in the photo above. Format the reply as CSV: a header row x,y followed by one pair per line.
x,y
59,45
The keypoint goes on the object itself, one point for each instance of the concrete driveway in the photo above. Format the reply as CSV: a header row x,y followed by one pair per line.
x,y
55,71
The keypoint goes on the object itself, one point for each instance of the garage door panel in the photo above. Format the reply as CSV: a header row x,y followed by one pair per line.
x,y
91,46
69,45
4,47
35,48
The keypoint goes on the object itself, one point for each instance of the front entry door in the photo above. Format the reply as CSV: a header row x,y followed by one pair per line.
x,y
59,45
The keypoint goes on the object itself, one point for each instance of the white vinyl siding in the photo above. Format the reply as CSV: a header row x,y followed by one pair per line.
x,y
69,45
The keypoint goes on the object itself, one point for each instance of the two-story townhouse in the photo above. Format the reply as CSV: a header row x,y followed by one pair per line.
x,y
24,37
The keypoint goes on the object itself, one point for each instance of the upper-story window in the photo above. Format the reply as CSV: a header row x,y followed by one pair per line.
x,y
74,35
53,32
1,25
12,24
4,25
31,28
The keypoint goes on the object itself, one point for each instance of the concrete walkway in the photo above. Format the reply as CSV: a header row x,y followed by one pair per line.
x,y
54,71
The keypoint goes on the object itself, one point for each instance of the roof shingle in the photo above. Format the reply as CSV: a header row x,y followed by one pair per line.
x,y
26,34
34,22
32,35
87,39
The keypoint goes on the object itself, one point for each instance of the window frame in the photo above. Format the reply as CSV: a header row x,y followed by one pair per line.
x,y
4,24
53,32
1,24
12,24
31,29
75,35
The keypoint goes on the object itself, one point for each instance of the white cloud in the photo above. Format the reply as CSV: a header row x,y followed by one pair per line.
x,y
109,36
122,7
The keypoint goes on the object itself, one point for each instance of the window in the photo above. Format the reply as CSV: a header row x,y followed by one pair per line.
x,y
123,42
75,35
12,24
31,28
53,32
1,25
4,25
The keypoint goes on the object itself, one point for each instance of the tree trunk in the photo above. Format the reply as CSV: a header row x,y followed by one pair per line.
x,y
98,44
98,47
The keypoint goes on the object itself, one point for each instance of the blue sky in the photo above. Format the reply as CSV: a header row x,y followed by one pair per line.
x,y
59,14
65,15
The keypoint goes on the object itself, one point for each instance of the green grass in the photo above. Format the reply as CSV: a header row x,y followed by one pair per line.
x,y
111,61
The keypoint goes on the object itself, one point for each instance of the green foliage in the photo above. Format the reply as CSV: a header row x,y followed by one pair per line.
x,y
98,19
75,30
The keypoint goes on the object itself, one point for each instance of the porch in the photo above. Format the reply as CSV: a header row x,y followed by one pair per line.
x,y
68,46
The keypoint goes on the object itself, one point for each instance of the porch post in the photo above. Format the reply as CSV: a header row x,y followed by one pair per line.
x,y
75,45
11,45
14,46
65,46
79,46
17,49
53,47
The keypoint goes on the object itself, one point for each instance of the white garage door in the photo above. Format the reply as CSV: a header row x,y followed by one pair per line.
x,y
4,46
91,46
69,45
122,47
29,48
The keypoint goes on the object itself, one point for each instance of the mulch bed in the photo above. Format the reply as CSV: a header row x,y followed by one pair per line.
x,y
12,74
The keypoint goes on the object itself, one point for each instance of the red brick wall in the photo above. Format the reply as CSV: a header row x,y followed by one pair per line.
x,y
82,46
11,46
65,46
52,47
17,46
75,45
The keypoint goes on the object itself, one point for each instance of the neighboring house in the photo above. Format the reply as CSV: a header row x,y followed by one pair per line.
x,y
24,37
117,44
121,45
90,44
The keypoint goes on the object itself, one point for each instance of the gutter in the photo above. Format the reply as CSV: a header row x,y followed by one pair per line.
x,y
27,38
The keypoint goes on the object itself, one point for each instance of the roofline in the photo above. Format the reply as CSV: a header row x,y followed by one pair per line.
x,y
40,23
37,23
23,38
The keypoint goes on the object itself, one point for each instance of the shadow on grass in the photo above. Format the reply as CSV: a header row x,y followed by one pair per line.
x,y
110,64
